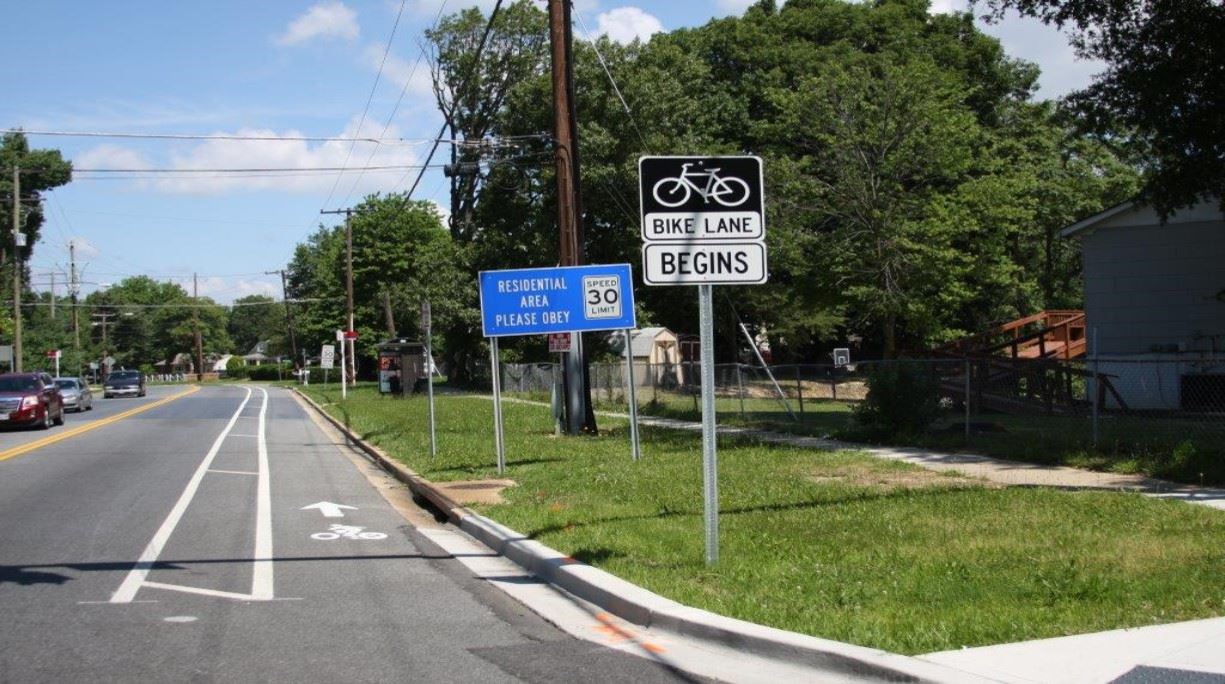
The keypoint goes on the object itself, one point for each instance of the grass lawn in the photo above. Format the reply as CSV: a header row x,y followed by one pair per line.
x,y
833,544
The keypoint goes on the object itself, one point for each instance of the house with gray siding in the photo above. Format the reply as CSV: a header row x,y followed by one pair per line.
x,y
1155,304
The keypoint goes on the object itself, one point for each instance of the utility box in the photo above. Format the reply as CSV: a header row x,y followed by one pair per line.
x,y
401,365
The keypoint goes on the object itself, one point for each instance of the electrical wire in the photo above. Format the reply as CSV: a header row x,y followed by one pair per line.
x,y
403,91
480,49
611,80
250,138
370,98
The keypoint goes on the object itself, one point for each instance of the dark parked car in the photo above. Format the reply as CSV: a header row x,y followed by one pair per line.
x,y
124,382
30,399
76,393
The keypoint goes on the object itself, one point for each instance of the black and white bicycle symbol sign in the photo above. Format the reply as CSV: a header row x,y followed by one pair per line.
x,y
347,532
674,191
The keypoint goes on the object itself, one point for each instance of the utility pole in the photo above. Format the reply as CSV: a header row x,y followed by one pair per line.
x,y
579,415
16,269
53,295
352,360
293,338
391,321
195,323
72,290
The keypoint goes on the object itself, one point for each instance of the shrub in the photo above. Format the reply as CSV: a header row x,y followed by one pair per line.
x,y
903,398
236,368
269,372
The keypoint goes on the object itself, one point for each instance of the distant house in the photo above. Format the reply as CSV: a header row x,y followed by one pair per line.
x,y
1155,303
259,354
656,355
218,364
179,363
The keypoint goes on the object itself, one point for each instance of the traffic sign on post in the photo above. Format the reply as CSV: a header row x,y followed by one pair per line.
x,y
703,220
327,356
538,301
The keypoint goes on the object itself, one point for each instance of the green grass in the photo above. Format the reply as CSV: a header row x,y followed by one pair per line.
x,y
833,544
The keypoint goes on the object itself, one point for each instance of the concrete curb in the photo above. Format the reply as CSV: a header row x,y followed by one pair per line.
x,y
641,607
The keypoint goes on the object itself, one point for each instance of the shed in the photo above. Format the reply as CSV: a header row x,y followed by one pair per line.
x,y
656,355
1155,303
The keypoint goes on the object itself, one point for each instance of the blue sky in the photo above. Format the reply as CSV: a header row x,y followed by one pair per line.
x,y
280,70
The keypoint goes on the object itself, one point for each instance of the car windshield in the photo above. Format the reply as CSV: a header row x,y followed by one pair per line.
x,y
18,384
66,384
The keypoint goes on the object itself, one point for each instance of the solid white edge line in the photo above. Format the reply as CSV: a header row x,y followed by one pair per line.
x,y
131,584
261,576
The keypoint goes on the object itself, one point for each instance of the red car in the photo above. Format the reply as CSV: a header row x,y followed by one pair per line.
x,y
30,399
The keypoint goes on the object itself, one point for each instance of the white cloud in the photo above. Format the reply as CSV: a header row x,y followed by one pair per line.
x,y
84,248
947,6
736,7
624,24
225,291
108,156
329,19
297,157
430,7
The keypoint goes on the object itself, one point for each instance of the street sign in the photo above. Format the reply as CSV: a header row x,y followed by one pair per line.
x,y
559,343
350,334
426,315
6,353
537,301
53,353
703,220
708,263
327,356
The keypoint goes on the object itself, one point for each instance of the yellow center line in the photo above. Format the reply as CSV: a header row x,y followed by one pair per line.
x,y
52,439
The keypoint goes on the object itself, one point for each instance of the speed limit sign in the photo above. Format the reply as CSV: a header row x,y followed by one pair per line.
x,y
602,296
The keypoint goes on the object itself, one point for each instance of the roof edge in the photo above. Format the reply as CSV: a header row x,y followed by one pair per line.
x,y
1085,224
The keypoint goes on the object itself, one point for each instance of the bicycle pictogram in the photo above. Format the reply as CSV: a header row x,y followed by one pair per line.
x,y
676,190
347,532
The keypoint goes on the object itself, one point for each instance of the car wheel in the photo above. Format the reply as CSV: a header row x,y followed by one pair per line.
x,y
47,420
59,419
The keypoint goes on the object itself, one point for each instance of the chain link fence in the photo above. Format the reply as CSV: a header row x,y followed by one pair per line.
x,y
1150,411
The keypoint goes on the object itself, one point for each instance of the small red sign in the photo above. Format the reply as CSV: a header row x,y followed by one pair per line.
x,y
53,353
559,342
350,334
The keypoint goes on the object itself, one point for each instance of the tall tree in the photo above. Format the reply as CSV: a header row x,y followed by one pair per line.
x,y
1160,95
256,318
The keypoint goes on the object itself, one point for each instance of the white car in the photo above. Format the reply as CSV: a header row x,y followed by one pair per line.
x,y
76,393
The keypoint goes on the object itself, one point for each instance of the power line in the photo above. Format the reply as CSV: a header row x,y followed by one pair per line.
x,y
407,82
480,48
369,99
252,138
611,80
284,169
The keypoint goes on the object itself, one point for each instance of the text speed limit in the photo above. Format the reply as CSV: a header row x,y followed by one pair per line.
x,y
602,296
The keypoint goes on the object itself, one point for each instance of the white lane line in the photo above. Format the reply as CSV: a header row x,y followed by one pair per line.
x,y
233,472
131,584
198,590
261,577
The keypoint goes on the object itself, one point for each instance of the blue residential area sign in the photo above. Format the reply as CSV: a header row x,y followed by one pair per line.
x,y
538,301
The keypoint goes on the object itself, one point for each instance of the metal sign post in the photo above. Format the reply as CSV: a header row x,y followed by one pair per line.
x,y
710,457
633,395
703,223
426,323
569,299
344,368
499,444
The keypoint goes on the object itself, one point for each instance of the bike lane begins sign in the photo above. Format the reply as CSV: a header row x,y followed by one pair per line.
x,y
703,220
537,301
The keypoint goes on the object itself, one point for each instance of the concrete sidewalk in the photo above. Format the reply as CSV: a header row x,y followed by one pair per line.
x,y
1188,652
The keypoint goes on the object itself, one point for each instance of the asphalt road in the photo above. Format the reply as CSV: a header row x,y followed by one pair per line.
x,y
169,538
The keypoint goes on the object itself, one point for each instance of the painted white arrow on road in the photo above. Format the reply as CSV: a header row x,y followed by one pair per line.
x,y
329,509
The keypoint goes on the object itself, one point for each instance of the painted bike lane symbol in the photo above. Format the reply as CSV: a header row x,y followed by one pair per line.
x,y
347,532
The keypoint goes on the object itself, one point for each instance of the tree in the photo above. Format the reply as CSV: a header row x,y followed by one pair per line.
x,y
256,318
471,93
1159,97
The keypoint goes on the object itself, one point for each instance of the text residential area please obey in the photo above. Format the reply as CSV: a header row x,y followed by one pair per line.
x,y
703,220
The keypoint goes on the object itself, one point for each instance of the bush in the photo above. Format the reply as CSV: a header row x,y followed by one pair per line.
x,y
903,398
236,368
270,372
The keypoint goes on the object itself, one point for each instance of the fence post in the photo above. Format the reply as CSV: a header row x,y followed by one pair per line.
x,y
799,388
967,398
740,389
654,389
833,382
